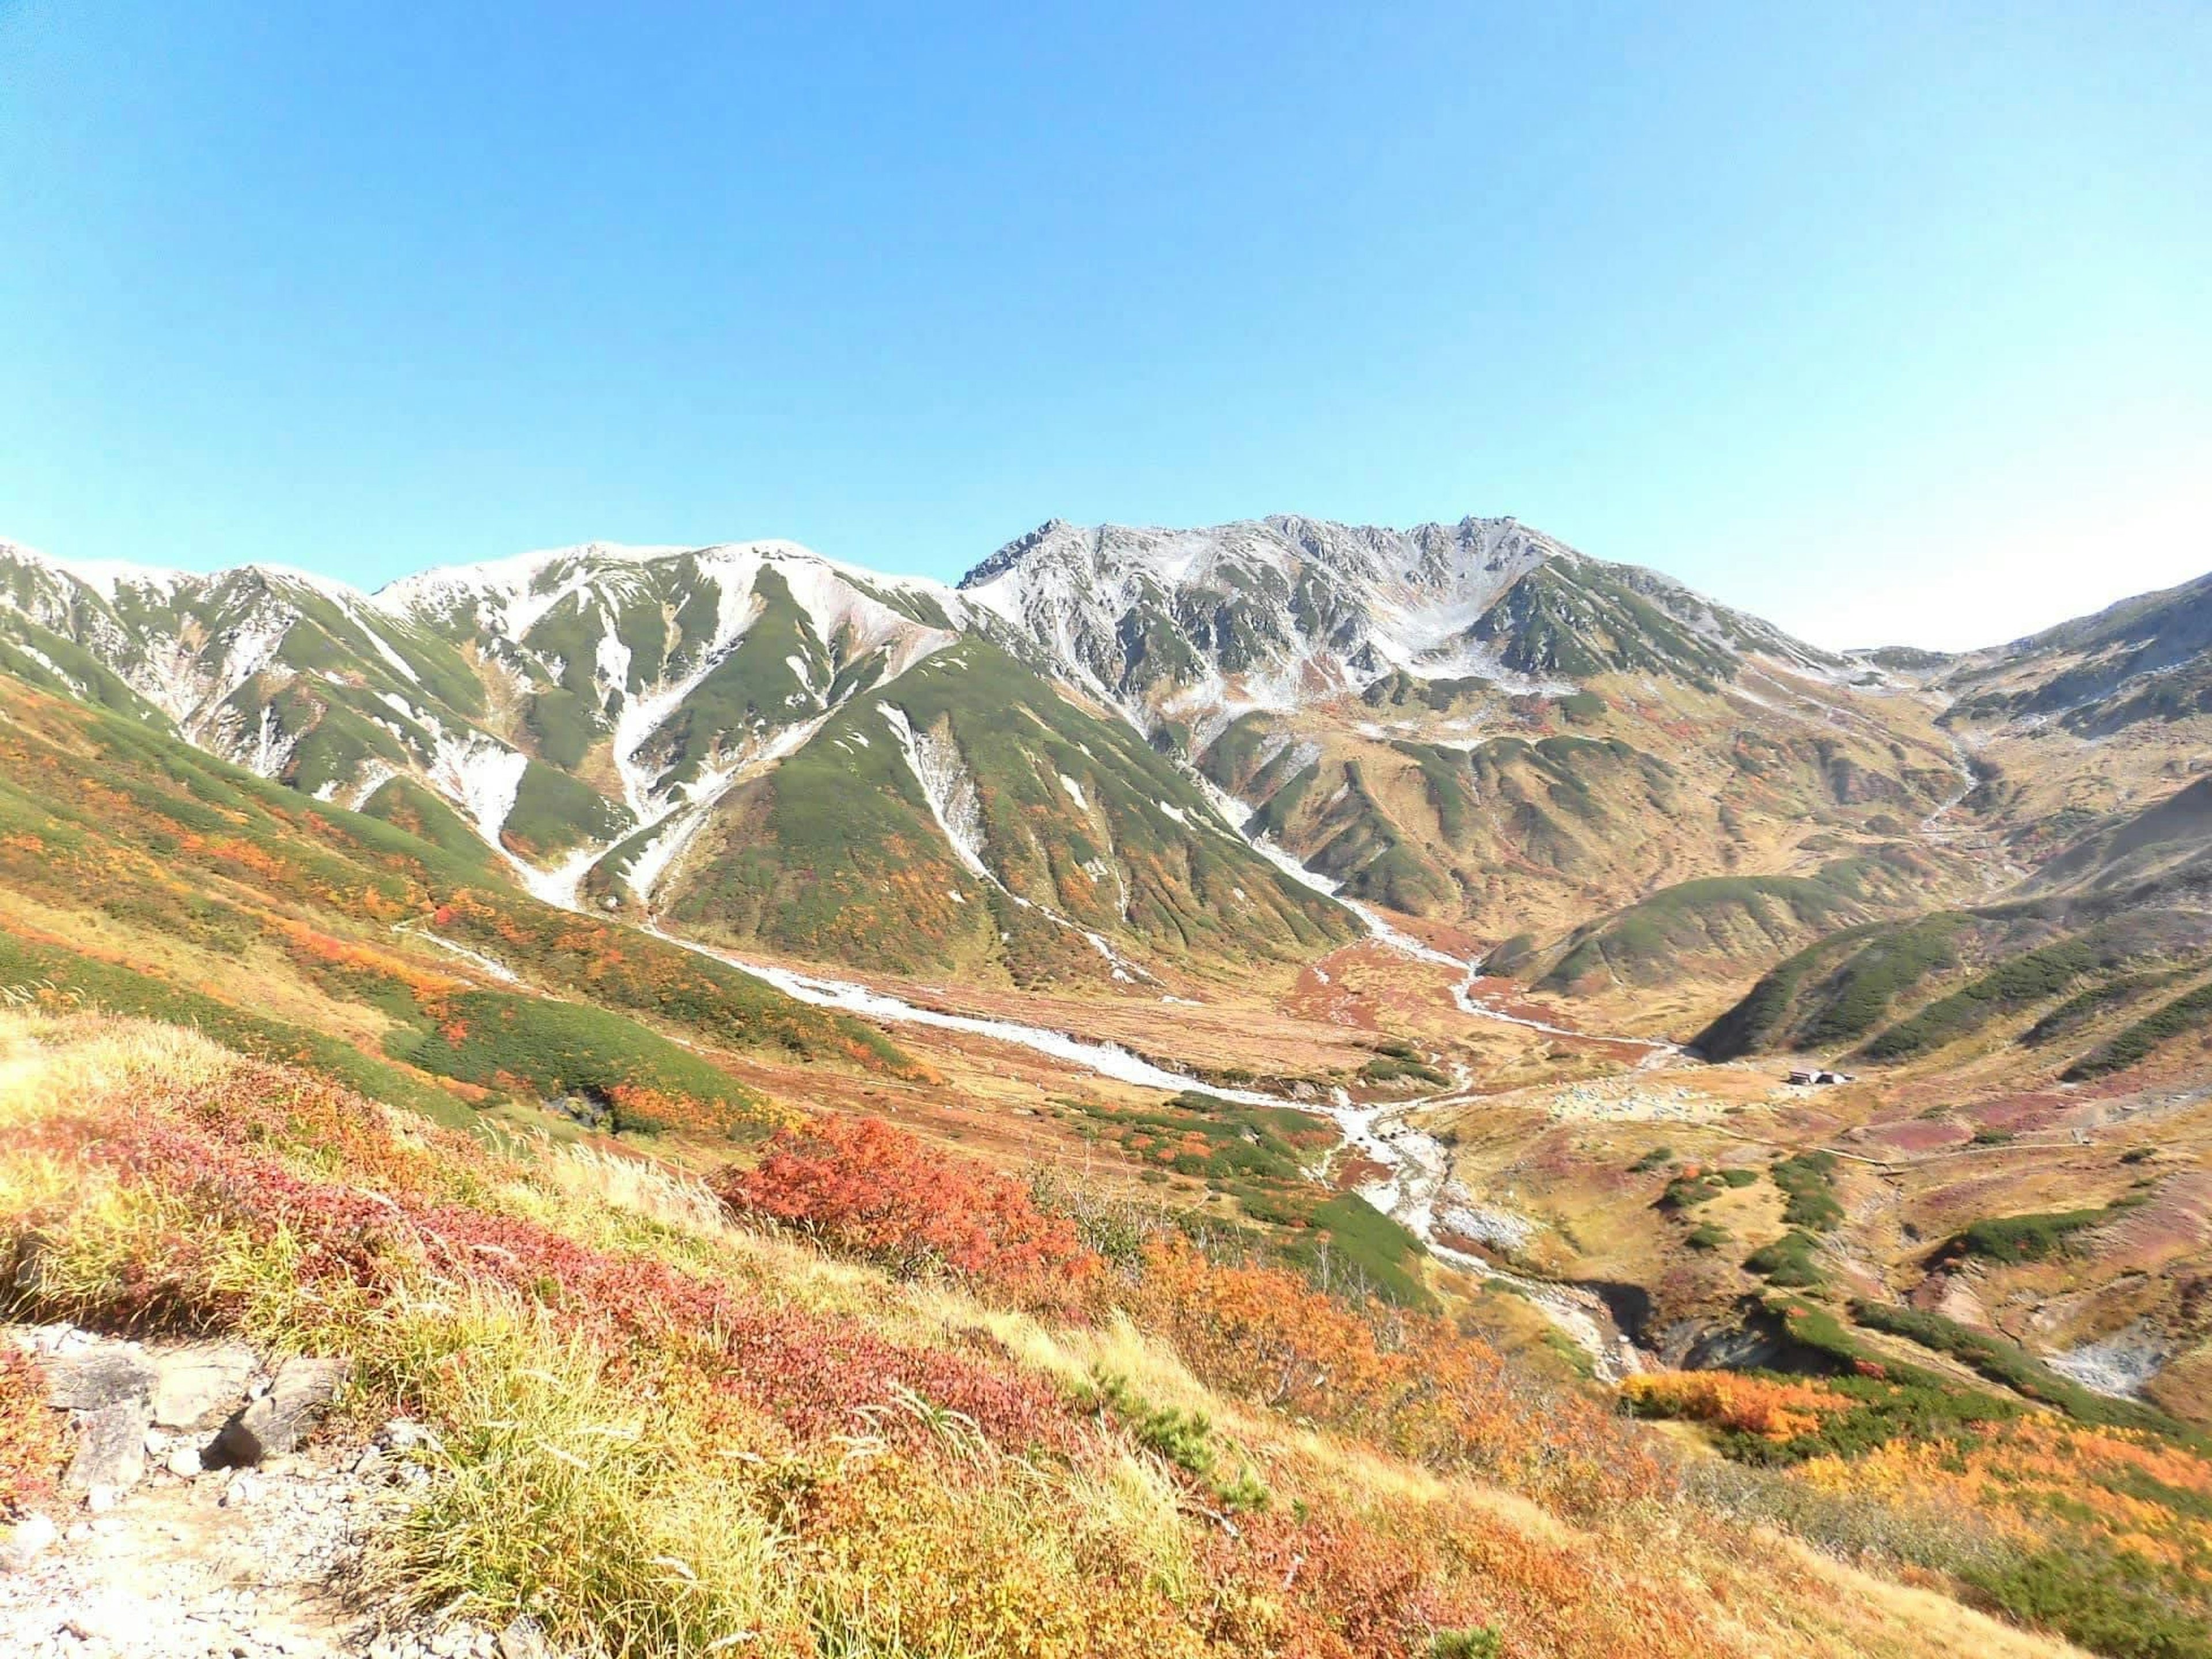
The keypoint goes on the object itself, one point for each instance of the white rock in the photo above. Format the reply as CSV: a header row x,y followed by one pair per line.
x,y
26,1542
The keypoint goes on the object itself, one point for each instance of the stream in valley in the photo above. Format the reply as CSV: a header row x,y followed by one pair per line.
x,y
1416,1185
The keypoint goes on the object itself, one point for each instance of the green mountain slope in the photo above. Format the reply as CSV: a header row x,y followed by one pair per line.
x,y
2090,968
148,877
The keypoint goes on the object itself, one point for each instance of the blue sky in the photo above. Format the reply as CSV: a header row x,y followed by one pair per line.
x,y
1890,322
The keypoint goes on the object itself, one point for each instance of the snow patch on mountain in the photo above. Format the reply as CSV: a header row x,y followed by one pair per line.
x,y
479,775
270,746
510,595
935,761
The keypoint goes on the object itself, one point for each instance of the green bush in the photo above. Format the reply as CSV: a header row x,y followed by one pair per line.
x,y
1481,1642
1787,1261
1685,1192
2013,1239
2112,1602
1185,1439
1807,1179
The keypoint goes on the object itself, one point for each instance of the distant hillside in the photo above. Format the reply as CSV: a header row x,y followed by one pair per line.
x,y
2143,658
2092,968
1056,774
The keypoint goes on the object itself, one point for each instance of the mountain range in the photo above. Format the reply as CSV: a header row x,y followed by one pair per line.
x,y
1442,925
1130,758
1471,723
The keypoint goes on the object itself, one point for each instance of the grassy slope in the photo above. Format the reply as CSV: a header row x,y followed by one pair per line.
x,y
836,857
1719,923
161,872
2050,975
1036,1471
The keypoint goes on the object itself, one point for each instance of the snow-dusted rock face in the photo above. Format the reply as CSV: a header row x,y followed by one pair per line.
x,y
680,662
684,659
1275,612
492,685
208,652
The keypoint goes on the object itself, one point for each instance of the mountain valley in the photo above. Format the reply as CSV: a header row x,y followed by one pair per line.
x,y
1443,921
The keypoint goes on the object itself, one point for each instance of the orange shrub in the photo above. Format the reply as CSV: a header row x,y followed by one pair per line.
x,y
1412,1382
866,1188
30,1435
1749,1405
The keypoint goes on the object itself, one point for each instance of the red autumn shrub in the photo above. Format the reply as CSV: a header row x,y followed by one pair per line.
x,y
1339,1587
1770,1408
30,1435
817,1376
867,1190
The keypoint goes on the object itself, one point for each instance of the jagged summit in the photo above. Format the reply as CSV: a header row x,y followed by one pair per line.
x,y
1273,611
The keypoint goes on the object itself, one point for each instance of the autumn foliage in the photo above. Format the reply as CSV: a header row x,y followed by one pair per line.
x,y
1766,1407
1410,1382
30,1435
867,1190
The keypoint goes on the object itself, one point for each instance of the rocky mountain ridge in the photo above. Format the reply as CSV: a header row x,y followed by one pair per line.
x,y
1056,767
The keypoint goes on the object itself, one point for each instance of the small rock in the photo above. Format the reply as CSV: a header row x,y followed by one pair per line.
x,y
25,1542
277,1422
404,1435
196,1387
111,1447
185,1464
523,1639
96,1377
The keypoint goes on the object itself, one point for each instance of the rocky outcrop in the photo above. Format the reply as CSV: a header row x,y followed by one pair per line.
x,y
111,1451
184,1407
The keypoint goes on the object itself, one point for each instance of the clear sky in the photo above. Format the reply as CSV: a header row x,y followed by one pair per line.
x,y
1888,321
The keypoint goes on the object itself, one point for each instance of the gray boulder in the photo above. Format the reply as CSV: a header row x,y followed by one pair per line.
x,y
198,1385
276,1424
111,1449
93,1378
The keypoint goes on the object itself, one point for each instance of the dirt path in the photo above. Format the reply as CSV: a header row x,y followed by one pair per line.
x,y
234,1566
